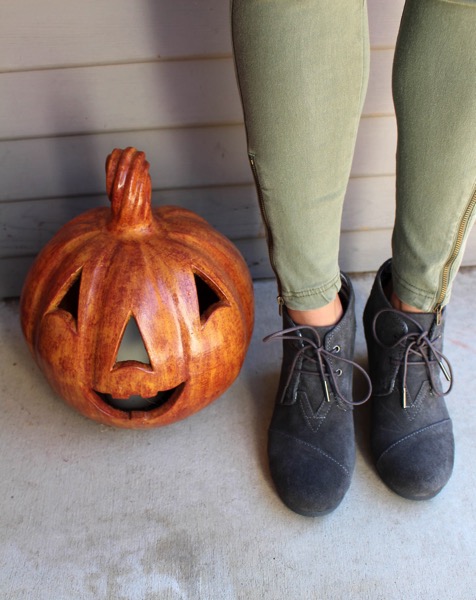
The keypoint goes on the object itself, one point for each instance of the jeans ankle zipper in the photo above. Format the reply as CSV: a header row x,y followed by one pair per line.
x,y
453,256
269,236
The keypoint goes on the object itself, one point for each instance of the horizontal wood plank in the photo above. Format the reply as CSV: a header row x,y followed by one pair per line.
x,y
28,225
141,96
378,100
384,22
118,97
66,33
179,158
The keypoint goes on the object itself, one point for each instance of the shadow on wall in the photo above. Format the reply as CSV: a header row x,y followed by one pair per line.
x,y
57,171
204,139
190,31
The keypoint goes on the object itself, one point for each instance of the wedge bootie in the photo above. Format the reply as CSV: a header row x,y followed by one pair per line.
x,y
311,447
411,434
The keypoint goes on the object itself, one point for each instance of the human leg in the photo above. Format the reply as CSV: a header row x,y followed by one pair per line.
x,y
434,93
434,89
302,71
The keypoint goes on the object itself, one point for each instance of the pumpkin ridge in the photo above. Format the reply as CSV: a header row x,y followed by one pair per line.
x,y
151,254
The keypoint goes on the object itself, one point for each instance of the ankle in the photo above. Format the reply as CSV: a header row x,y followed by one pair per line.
x,y
327,315
403,306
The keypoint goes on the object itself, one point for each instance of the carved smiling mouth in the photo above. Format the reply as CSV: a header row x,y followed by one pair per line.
x,y
139,403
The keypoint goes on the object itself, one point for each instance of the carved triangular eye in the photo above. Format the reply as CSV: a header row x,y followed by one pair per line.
x,y
132,346
70,301
207,297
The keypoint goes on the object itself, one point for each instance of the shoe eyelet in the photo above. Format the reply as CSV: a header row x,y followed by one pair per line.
x,y
338,372
336,349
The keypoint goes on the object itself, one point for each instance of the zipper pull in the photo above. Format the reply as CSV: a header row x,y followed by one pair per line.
x,y
280,300
438,311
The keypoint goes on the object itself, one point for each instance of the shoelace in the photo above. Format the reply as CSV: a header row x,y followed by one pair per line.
x,y
321,357
419,344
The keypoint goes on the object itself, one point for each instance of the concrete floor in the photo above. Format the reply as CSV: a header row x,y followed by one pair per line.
x,y
189,511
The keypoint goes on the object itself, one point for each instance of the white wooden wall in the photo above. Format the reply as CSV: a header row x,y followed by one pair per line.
x,y
78,78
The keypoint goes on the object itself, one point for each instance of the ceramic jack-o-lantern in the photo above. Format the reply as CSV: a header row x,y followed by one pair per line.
x,y
165,275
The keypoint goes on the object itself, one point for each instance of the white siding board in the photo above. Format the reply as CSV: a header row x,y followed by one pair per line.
x,y
384,21
375,147
61,33
118,97
369,204
197,157
378,100
59,167
28,225
13,271
141,96
67,32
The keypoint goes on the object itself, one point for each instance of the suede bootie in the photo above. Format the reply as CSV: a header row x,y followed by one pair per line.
x,y
311,446
411,435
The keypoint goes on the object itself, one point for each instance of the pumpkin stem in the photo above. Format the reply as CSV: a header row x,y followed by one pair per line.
x,y
129,189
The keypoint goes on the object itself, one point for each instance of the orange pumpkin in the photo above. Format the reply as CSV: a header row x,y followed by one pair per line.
x,y
166,272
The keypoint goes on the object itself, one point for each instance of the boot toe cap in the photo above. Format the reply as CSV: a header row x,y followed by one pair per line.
x,y
308,480
418,466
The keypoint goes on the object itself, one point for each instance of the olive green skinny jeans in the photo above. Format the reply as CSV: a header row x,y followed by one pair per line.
x,y
302,68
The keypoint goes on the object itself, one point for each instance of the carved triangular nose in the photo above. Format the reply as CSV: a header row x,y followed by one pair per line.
x,y
132,346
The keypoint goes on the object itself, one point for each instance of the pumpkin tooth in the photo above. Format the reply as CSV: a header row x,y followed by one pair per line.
x,y
140,403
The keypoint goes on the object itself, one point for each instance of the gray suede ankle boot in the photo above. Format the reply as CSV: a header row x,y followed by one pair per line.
x,y
311,446
412,436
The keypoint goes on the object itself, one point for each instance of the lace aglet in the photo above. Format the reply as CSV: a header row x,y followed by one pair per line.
x,y
326,390
404,399
445,371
